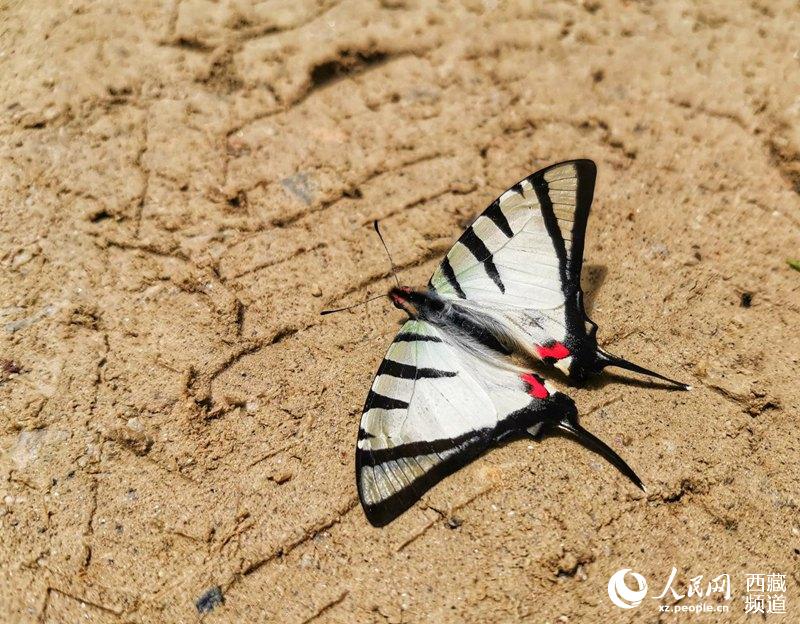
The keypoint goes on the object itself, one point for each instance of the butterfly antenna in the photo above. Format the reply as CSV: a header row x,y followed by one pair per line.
x,y
593,443
606,359
350,307
391,262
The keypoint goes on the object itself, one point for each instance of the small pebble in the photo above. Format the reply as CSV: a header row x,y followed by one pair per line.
x,y
212,598
281,476
10,367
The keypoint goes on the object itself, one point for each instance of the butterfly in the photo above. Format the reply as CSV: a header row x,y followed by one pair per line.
x,y
448,388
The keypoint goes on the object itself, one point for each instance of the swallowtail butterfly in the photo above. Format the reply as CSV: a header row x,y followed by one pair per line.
x,y
447,389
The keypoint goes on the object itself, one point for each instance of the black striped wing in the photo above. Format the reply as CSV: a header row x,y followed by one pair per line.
x,y
432,408
521,259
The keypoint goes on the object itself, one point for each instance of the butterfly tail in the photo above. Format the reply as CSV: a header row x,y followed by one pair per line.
x,y
606,359
570,426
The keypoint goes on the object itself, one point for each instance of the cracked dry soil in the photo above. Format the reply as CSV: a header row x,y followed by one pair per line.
x,y
185,184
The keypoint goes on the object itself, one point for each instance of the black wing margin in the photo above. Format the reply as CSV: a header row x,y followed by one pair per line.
x,y
565,192
441,458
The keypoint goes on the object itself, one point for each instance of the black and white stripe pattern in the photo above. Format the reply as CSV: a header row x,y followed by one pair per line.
x,y
432,408
444,393
478,249
548,212
382,402
521,259
496,216
452,280
408,371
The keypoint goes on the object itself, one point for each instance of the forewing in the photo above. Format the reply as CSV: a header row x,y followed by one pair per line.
x,y
527,244
521,259
432,408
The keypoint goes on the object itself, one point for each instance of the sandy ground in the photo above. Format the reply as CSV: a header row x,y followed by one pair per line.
x,y
186,184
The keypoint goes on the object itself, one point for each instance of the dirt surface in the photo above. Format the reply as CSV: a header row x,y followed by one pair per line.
x,y
186,184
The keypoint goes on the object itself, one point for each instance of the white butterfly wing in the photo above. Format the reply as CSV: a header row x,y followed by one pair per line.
x,y
437,403
432,408
520,261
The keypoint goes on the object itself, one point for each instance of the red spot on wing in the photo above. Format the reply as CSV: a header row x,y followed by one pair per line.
x,y
536,386
557,351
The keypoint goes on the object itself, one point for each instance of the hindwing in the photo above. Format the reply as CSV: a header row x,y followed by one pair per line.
x,y
432,408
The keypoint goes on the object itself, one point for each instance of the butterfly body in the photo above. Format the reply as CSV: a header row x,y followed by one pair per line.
x,y
577,361
461,324
447,389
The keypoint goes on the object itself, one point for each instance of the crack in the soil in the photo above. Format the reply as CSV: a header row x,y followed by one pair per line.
x,y
141,201
284,549
326,607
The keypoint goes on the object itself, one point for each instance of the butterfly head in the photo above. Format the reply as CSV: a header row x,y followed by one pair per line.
x,y
403,298
418,304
